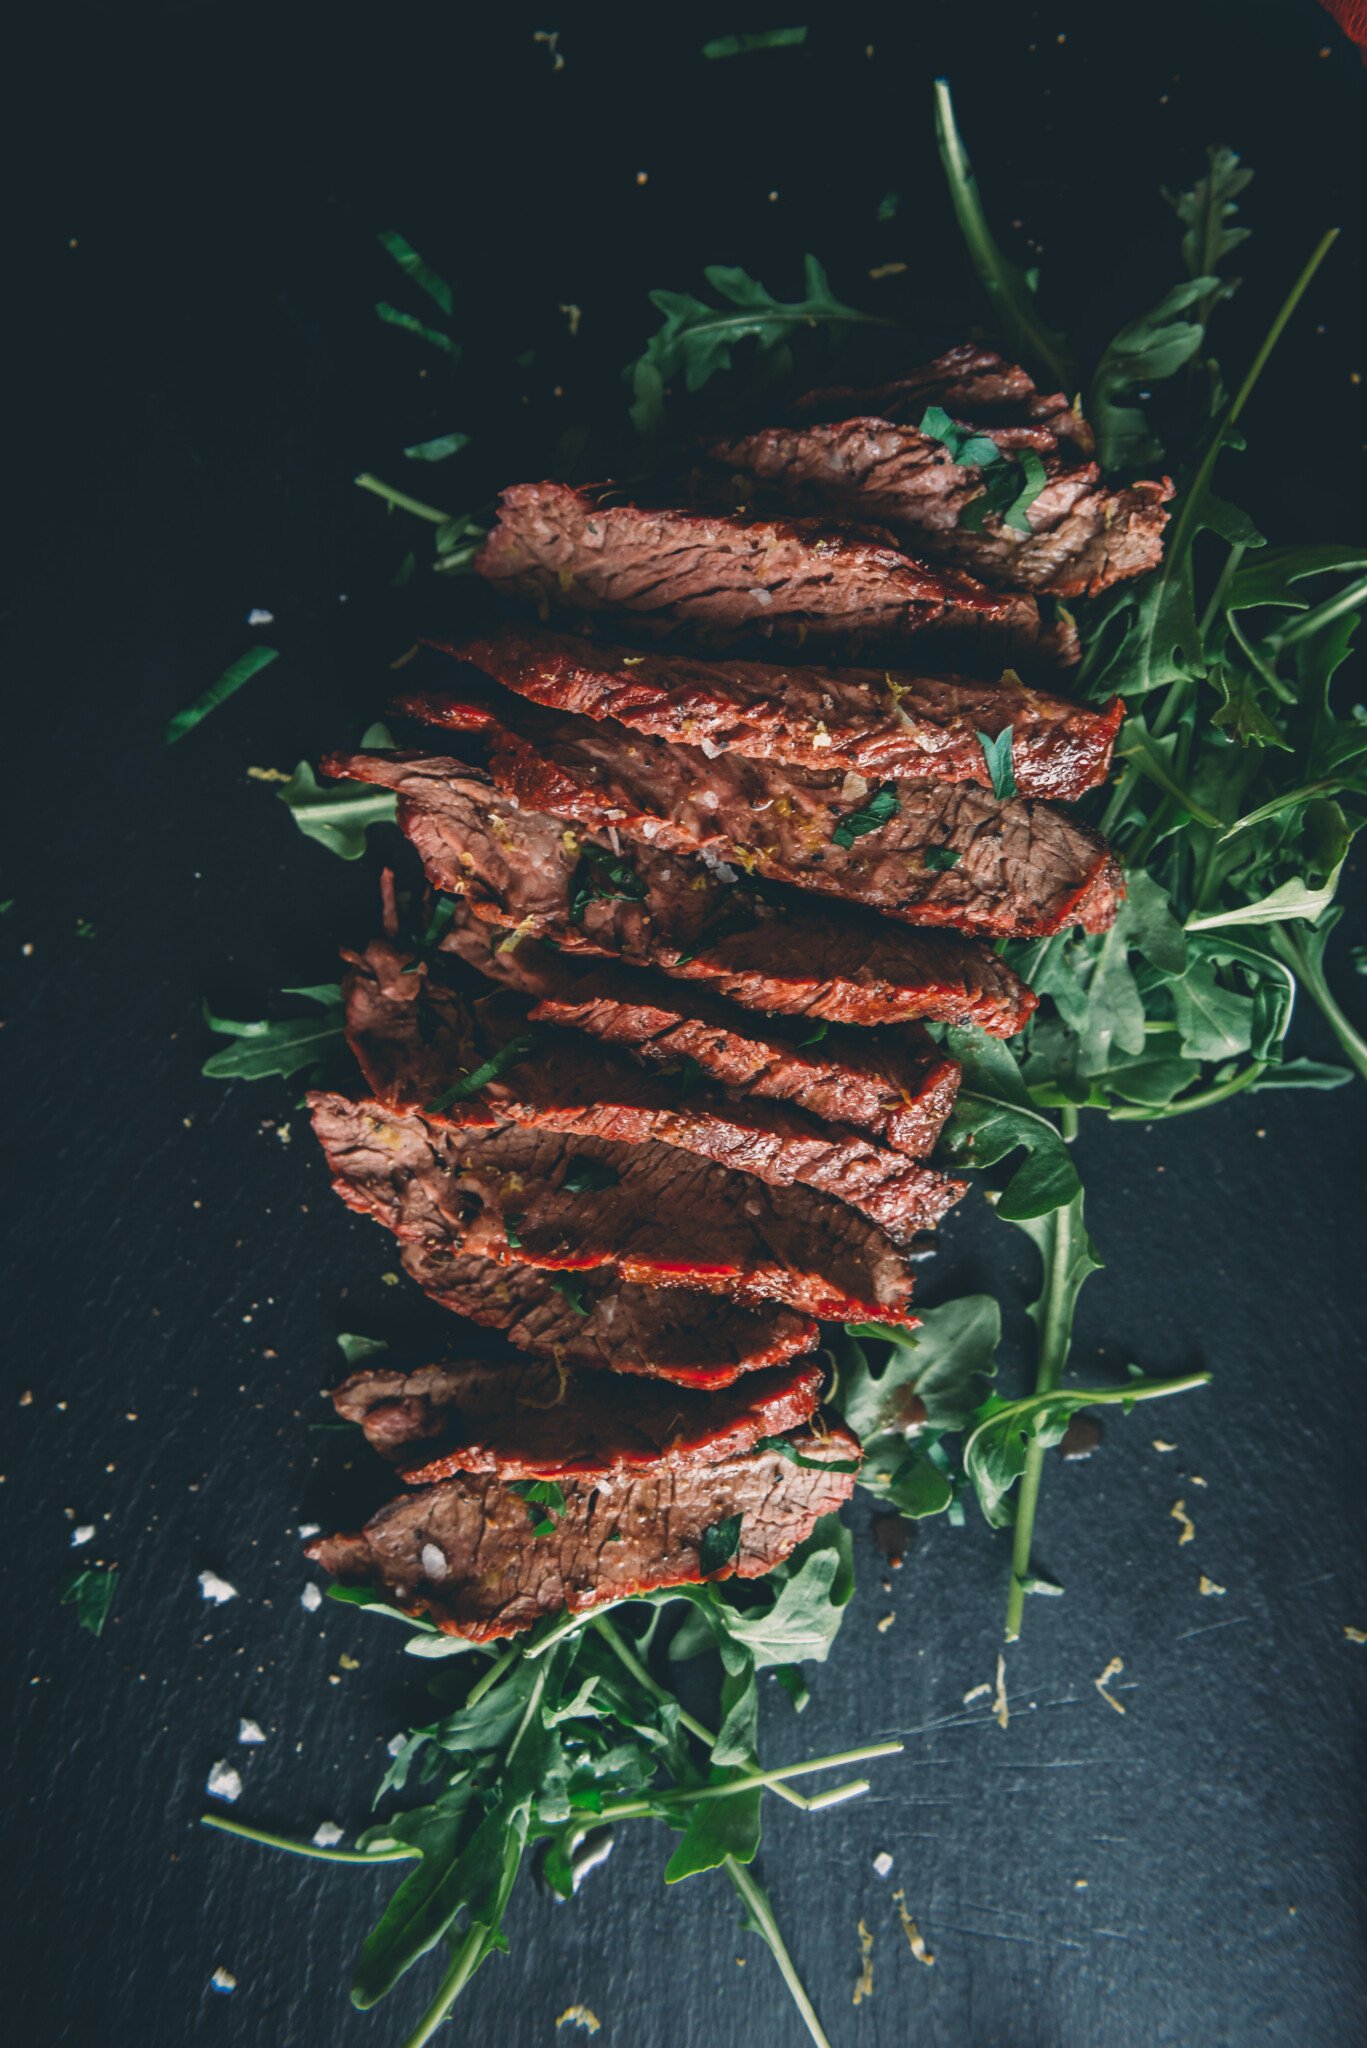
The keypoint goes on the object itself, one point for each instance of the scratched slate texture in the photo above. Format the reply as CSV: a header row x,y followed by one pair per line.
x,y
194,267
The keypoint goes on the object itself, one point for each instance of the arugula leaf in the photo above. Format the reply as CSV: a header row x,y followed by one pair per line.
x,y
438,448
997,754
720,1542
339,816
433,336
993,1116
933,1377
756,39
510,1055
90,1590
229,683
265,1049
589,1174
811,1591
1147,350
360,1350
696,340
965,445
1009,289
718,1830
881,806
1010,487
1207,212
412,265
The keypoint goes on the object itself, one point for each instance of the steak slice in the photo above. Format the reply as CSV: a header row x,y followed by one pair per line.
x,y
529,872
413,1036
651,1214
727,579
929,852
465,1552
862,720
610,1325
1082,537
971,383
526,1418
896,1084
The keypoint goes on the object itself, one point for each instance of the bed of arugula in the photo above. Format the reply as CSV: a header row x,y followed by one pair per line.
x,y
1239,786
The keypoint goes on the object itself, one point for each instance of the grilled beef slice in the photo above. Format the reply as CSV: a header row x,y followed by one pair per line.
x,y
526,1418
414,1035
972,384
1082,537
465,1552
729,579
606,1324
935,853
861,721
663,1218
897,1085
532,873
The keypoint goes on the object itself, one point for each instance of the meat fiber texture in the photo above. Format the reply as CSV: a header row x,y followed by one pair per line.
x,y
933,853
662,1219
413,1036
896,1085
782,954
465,1552
862,721
728,580
1082,536
525,1418
605,1324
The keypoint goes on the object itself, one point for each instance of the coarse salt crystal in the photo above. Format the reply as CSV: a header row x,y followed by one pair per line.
x,y
882,1863
327,1835
223,1782
433,1561
216,1589
250,1731
307,1529
395,1744
82,1535
256,617
311,1598
223,1980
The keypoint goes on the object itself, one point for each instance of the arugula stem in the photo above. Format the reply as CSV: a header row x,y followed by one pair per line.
x,y
626,1656
1055,1327
488,1679
756,1901
366,482
1136,1113
465,1962
1274,332
400,1854
770,1781
1320,615
1311,978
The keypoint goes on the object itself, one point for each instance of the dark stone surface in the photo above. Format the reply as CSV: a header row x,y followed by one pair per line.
x,y
204,376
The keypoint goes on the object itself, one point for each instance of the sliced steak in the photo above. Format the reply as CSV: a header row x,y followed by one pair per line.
x,y
1082,536
414,1035
526,1418
939,853
532,873
605,1324
896,1084
864,721
651,1214
466,1553
971,383
729,579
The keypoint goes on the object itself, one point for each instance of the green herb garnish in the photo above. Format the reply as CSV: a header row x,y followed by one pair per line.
x,y
882,805
90,1590
997,754
510,1055
756,39
720,1542
602,876
584,1175
539,1494
262,1049
574,1291
229,683
794,1456
940,859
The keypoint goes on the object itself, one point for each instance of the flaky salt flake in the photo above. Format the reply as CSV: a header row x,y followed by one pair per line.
x,y
1113,1670
1355,1635
1159,1444
327,1835
222,1980
82,1535
977,1692
1208,1588
250,1731
223,1782
915,1939
886,1623
1178,1513
311,1599
579,2016
212,1587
